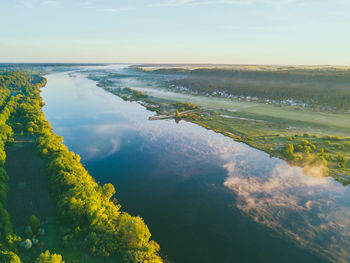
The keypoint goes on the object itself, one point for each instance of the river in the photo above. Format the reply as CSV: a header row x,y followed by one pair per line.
x,y
205,197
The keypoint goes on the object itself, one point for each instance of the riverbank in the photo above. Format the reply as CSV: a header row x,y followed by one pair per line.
x,y
275,131
84,222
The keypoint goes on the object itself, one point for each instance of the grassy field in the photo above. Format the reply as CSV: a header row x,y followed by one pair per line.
x,y
336,123
28,194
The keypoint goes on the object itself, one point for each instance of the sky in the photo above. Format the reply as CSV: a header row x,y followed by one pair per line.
x,y
297,32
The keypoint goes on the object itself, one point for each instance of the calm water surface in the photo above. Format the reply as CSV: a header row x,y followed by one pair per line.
x,y
204,197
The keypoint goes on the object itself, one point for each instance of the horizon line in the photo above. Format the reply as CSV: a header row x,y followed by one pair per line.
x,y
180,64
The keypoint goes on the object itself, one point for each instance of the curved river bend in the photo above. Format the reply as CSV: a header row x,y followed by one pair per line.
x,y
205,197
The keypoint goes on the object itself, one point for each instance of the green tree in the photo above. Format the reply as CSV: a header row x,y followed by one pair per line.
x,y
47,257
9,257
108,190
290,149
34,223
2,157
341,159
177,114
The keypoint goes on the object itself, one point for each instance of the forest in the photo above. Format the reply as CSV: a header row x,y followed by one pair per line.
x,y
88,210
325,89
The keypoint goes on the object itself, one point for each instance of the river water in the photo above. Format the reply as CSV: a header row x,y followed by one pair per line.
x,y
205,197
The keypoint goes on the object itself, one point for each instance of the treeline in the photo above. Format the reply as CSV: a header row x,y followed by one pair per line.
x,y
88,209
319,88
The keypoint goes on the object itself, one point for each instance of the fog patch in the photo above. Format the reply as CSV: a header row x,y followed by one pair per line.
x,y
320,171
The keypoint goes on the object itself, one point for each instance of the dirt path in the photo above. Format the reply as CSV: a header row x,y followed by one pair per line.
x,y
28,194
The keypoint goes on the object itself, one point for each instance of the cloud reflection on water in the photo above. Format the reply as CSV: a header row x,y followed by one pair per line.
x,y
311,211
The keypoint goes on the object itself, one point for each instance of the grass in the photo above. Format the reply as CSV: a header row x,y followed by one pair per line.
x,y
28,194
337,122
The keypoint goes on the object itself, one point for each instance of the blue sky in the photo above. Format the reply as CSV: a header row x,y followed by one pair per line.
x,y
176,31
